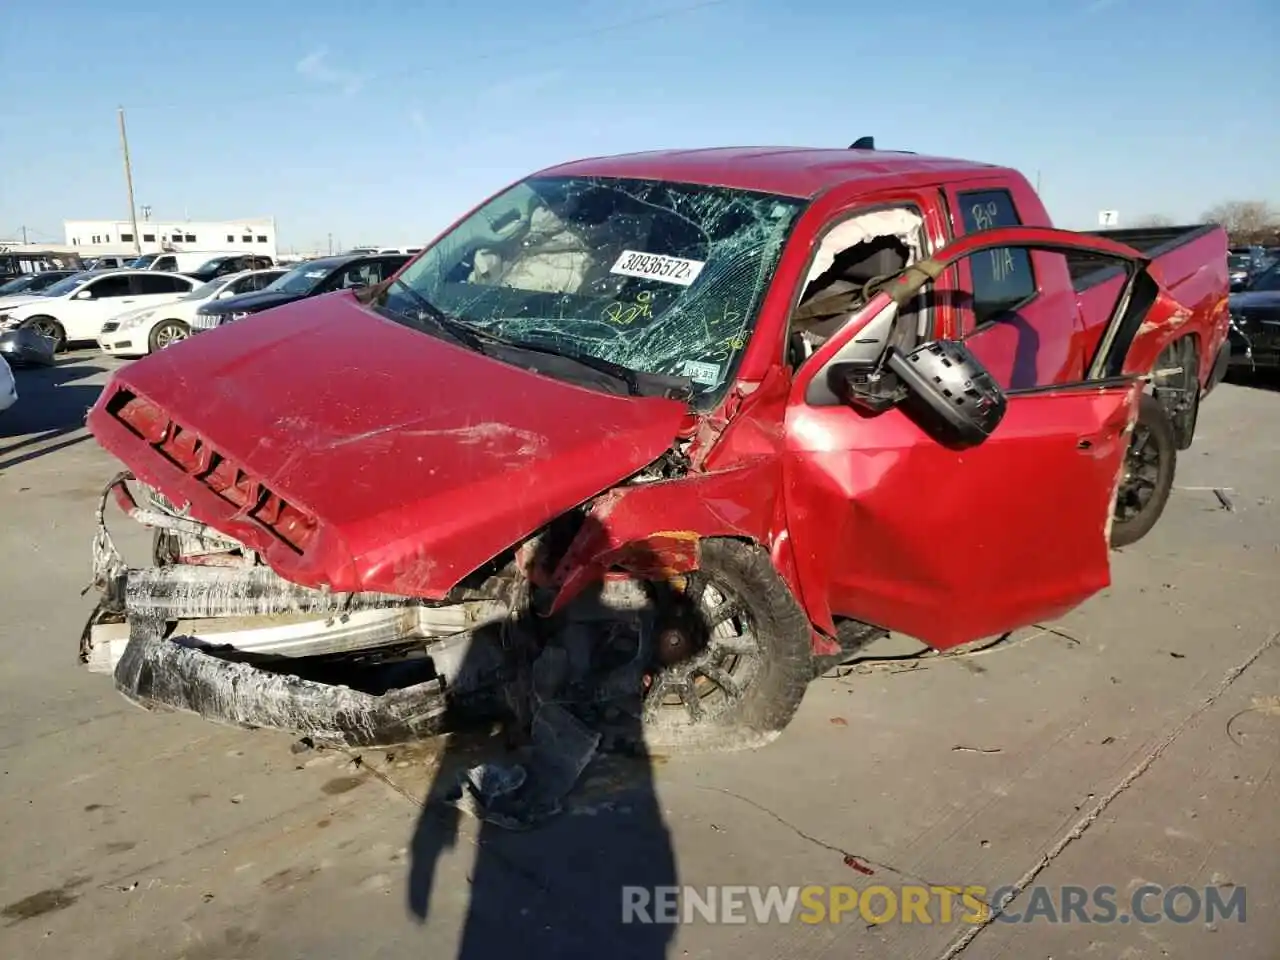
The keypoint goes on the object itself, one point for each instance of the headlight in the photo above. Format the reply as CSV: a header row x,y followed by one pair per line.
x,y
128,323
238,315
7,321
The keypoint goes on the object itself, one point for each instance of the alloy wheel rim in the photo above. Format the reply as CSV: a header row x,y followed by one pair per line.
x,y
1141,475
169,334
697,678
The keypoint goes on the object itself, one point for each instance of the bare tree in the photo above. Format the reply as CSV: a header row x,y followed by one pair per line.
x,y
1154,220
1247,221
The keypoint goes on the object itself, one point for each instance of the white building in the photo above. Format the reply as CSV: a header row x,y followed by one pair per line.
x,y
250,235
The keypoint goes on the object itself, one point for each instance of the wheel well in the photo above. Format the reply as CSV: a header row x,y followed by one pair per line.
x,y
1175,383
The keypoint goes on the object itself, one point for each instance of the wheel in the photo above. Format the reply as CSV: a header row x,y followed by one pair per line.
x,y
1148,474
732,654
166,332
50,329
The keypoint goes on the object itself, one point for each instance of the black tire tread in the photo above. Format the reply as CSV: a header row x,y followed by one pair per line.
x,y
1151,415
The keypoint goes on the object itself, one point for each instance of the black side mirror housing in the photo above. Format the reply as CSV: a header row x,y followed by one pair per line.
x,y
949,393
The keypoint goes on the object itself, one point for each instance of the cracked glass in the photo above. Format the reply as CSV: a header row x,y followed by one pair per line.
x,y
656,276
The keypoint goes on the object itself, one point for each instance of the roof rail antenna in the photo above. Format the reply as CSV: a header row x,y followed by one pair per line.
x,y
863,143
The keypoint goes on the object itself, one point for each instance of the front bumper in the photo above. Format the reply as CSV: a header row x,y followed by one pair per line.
x,y
159,672
121,347
1255,344
240,645
24,347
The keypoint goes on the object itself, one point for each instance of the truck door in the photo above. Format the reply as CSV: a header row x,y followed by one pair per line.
x,y
890,527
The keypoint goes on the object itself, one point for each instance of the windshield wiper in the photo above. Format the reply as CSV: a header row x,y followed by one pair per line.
x,y
476,339
459,331
620,373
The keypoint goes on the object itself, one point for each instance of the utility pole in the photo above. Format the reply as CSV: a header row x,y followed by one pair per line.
x,y
1037,182
331,244
24,236
128,180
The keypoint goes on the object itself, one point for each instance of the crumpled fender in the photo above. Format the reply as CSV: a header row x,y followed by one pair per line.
x,y
654,530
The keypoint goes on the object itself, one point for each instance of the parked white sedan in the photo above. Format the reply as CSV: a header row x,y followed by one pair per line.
x,y
147,329
75,309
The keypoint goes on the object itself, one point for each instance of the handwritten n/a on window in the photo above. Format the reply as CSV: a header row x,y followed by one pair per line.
x,y
985,216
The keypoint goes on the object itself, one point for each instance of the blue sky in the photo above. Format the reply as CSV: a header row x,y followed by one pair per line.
x,y
381,121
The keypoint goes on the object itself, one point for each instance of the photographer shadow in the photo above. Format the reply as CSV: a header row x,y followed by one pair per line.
x,y
556,889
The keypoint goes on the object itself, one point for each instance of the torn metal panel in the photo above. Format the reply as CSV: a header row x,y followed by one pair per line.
x,y
182,592
662,523
155,672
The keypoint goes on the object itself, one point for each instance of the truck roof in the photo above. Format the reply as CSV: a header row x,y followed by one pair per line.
x,y
789,171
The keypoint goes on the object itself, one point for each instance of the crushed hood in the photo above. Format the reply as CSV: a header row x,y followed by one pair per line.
x,y
354,452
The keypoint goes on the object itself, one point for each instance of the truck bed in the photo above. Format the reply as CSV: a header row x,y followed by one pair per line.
x,y
1171,246
1191,263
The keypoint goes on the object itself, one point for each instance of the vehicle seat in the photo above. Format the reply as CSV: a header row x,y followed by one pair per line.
x,y
832,297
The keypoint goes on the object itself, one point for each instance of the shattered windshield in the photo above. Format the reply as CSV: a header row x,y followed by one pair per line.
x,y
657,277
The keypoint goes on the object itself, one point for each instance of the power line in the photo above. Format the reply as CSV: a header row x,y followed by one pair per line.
x,y
667,13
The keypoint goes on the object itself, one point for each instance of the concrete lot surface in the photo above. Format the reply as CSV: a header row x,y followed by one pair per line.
x,y
1133,742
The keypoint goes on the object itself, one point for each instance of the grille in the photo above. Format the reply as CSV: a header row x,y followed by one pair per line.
x,y
189,452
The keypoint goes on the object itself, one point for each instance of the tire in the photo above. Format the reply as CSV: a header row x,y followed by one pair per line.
x,y
765,683
50,329
1183,413
166,332
1150,462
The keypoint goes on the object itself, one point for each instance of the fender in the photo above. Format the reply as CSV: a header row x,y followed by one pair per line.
x,y
654,530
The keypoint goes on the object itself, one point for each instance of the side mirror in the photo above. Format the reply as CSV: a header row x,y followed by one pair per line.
x,y
948,392
223,295
83,295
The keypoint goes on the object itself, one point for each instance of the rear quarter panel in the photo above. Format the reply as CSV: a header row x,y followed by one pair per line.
x,y
1194,275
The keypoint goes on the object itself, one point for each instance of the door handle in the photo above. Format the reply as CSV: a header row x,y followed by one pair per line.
x,y
1084,443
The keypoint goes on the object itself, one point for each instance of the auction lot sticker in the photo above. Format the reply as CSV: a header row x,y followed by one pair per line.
x,y
656,266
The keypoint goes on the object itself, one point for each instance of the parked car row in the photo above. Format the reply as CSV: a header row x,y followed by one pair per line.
x,y
134,311
1246,263
1255,321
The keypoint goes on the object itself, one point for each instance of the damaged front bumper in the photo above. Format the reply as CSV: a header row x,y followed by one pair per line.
x,y
228,639
212,631
157,672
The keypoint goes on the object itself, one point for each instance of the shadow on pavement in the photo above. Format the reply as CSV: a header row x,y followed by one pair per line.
x,y
556,888
51,404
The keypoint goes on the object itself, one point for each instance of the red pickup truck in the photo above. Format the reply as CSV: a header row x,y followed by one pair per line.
x,y
740,409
